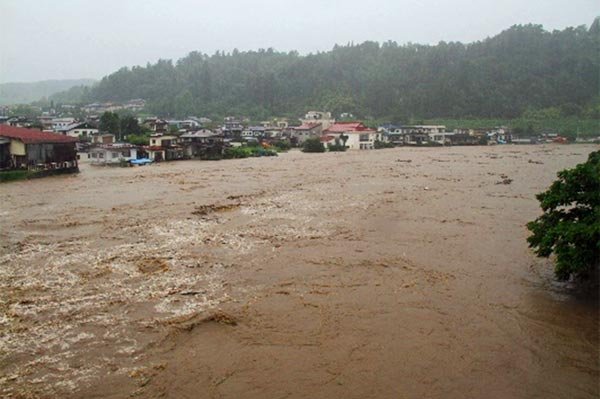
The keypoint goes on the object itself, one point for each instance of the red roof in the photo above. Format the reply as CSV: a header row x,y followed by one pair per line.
x,y
32,136
348,127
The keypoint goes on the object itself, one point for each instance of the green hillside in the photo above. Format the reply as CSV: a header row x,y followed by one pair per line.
x,y
521,69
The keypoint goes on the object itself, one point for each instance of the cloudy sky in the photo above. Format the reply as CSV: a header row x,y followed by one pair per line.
x,y
59,39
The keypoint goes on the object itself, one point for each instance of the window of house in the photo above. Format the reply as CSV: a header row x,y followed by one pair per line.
x,y
364,137
94,155
101,155
115,155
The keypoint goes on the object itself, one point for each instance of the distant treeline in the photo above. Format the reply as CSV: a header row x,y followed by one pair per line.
x,y
521,69
23,93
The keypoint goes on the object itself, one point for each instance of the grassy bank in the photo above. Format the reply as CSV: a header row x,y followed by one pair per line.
x,y
20,174
12,175
569,127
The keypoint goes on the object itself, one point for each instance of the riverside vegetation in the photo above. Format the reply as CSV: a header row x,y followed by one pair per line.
x,y
570,225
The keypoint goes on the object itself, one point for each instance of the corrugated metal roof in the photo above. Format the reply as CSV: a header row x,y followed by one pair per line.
x,y
33,136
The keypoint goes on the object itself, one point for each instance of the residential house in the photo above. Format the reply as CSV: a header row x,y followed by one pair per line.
x,y
300,133
359,136
499,135
19,121
22,148
99,108
185,125
164,148
441,138
324,118
156,125
464,139
46,121
254,131
112,154
77,130
531,140
202,144
275,123
416,134
102,138
329,140
232,128
60,123
273,133
387,128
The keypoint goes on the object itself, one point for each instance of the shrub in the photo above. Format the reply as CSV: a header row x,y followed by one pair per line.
x,y
282,145
245,152
382,144
336,148
313,145
138,139
237,152
570,224
11,175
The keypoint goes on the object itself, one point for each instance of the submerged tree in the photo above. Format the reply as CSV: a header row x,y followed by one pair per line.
x,y
313,144
570,225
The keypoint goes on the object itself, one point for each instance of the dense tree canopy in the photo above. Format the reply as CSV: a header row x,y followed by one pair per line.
x,y
109,123
570,225
524,67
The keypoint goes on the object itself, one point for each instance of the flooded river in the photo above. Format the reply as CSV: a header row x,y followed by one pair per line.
x,y
371,274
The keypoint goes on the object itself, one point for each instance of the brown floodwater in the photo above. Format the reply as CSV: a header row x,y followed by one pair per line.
x,y
391,273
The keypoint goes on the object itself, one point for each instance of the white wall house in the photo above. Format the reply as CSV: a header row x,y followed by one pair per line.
x,y
159,140
253,131
324,118
79,130
362,140
60,123
112,154
360,137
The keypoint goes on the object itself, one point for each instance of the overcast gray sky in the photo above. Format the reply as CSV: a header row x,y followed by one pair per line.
x,y
43,39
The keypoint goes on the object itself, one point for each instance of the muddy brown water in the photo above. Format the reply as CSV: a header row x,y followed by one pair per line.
x,y
355,275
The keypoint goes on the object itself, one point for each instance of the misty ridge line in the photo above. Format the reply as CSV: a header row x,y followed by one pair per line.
x,y
523,67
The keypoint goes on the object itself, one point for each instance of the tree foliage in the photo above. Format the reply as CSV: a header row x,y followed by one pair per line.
x,y
109,122
129,125
313,144
524,67
570,224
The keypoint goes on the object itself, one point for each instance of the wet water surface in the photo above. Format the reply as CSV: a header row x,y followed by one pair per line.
x,y
390,273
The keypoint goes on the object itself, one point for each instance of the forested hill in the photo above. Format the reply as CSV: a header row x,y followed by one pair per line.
x,y
524,67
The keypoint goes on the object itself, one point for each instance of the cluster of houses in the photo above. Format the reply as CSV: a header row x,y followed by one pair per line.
x,y
63,141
